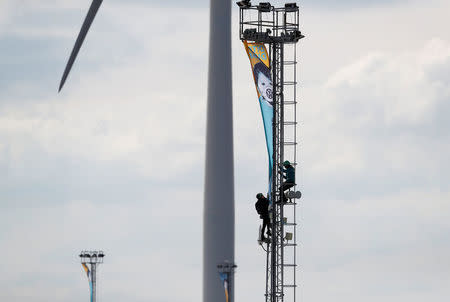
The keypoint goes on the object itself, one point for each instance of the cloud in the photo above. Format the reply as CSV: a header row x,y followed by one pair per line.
x,y
406,91
388,247
4,11
116,160
381,115
336,5
110,127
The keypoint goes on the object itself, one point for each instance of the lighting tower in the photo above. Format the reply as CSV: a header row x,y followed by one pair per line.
x,y
278,28
90,260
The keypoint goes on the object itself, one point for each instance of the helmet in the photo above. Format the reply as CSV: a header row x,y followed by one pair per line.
x,y
259,195
286,163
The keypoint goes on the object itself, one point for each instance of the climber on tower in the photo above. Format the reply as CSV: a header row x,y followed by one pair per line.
x,y
288,173
262,208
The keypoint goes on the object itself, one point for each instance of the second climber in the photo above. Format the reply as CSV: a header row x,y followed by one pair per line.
x,y
288,172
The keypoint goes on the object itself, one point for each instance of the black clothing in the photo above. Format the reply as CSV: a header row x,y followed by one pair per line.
x,y
262,206
289,173
266,222
286,185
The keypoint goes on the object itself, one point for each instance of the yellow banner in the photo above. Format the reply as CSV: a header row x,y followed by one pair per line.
x,y
257,52
86,269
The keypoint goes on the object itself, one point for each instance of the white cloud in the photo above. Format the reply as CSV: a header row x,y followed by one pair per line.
x,y
5,10
130,123
166,121
376,115
404,92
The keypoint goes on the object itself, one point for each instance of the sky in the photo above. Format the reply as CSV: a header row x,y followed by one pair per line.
x,y
115,161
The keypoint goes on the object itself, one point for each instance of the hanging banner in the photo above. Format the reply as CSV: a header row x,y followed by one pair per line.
x,y
88,273
224,278
86,269
259,60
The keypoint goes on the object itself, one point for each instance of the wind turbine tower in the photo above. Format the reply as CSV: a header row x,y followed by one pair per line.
x,y
218,219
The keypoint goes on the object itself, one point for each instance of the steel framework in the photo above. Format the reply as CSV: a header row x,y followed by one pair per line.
x,y
93,258
278,28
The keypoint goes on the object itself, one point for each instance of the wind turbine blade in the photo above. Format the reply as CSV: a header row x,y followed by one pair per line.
x,y
80,39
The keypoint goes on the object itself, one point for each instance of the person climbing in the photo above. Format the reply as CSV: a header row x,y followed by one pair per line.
x,y
262,208
288,172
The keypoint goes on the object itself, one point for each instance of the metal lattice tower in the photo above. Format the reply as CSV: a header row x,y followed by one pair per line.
x,y
278,28
93,259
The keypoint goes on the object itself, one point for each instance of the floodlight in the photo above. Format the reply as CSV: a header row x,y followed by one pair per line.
x,y
250,33
244,3
291,7
264,7
288,236
298,35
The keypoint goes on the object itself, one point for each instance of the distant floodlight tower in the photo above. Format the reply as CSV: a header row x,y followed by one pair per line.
x,y
89,261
